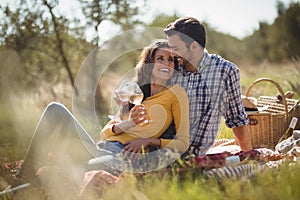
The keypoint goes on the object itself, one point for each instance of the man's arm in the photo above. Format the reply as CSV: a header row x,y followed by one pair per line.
x,y
242,135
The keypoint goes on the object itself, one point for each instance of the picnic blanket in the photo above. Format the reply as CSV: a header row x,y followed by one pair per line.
x,y
217,163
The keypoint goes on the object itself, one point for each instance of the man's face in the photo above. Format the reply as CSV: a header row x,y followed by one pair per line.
x,y
180,49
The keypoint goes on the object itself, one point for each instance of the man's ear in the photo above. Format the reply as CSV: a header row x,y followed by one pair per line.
x,y
194,45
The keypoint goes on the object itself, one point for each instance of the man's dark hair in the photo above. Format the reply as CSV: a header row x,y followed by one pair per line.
x,y
190,28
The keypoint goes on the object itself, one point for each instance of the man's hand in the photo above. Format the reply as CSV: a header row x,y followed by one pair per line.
x,y
135,148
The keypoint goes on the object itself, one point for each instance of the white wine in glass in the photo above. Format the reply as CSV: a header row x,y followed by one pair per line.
x,y
136,97
129,92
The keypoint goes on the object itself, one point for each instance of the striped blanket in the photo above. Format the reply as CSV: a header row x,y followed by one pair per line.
x,y
248,163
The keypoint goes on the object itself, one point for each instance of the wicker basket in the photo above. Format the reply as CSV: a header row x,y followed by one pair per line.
x,y
268,126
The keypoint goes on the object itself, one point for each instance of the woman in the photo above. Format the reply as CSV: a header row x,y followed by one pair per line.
x,y
61,137
154,70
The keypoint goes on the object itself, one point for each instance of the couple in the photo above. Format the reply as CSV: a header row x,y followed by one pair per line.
x,y
213,89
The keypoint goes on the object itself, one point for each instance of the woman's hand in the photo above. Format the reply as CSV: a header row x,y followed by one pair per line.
x,y
138,114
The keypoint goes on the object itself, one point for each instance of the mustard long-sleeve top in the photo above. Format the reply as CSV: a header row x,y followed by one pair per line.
x,y
163,107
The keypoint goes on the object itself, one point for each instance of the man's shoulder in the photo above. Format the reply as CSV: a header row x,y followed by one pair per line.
x,y
220,61
217,63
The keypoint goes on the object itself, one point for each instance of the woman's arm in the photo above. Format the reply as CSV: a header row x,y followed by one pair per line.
x,y
137,115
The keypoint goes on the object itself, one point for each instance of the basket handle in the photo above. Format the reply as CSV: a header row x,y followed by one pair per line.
x,y
278,87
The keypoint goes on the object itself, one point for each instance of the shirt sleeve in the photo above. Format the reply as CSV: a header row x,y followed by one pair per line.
x,y
180,109
107,131
233,112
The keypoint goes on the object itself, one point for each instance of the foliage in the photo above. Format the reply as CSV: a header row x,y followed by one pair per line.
x,y
42,41
295,85
162,20
44,37
278,42
226,45
120,12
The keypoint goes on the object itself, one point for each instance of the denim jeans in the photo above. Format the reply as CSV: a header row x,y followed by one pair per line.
x,y
60,140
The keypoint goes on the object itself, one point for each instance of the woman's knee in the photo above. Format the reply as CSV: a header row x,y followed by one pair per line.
x,y
54,106
57,109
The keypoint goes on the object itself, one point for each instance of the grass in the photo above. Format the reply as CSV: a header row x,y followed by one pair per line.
x,y
279,183
278,73
17,122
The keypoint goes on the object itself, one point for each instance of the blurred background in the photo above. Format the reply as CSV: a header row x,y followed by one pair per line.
x,y
43,44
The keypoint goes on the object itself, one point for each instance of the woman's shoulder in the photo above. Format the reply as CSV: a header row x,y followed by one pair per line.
x,y
176,88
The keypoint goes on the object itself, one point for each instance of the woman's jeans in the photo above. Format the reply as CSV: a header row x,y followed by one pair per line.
x,y
60,140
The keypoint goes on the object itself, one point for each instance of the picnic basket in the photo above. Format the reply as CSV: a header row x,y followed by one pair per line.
x,y
266,127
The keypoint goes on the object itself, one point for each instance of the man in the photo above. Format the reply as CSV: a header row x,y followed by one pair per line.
x,y
212,84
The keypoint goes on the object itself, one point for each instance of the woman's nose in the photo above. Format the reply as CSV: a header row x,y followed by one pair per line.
x,y
166,62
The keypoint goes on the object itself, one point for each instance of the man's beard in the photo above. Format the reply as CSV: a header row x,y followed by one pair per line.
x,y
185,64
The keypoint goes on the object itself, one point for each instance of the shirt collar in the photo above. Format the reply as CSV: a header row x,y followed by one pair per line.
x,y
204,61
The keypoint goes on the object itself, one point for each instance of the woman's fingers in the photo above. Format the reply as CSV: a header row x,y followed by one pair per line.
x,y
138,114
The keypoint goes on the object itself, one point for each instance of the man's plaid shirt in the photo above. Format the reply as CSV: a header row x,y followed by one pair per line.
x,y
213,91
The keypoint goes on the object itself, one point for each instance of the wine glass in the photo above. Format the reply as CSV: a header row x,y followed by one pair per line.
x,y
128,92
136,97
135,93
121,95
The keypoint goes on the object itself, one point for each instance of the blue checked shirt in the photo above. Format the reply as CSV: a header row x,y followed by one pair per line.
x,y
214,92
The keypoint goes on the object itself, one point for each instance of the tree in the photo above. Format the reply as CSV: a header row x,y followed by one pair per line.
x,y
47,41
40,38
279,41
59,42
292,21
120,12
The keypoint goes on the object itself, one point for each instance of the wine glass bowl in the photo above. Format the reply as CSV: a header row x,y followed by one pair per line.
x,y
136,95
121,97
129,91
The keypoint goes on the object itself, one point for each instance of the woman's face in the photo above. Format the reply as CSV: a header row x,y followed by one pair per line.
x,y
163,64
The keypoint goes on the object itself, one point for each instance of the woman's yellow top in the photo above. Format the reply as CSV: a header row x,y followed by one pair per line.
x,y
163,107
